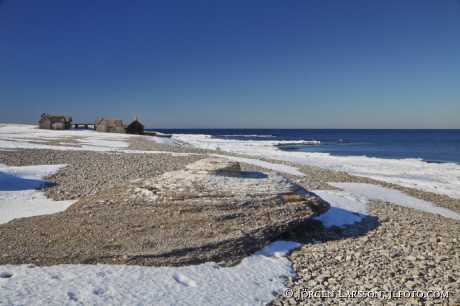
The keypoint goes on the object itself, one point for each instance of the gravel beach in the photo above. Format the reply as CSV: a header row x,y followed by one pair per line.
x,y
393,249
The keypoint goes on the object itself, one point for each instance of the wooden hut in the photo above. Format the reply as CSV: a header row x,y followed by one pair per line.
x,y
100,125
118,128
54,122
135,127
109,125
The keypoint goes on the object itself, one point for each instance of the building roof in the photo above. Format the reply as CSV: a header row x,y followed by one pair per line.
x,y
135,121
110,122
52,117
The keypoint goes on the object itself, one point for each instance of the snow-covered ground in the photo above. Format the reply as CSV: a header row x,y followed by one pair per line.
x,y
248,283
15,136
352,204
18,197
415,173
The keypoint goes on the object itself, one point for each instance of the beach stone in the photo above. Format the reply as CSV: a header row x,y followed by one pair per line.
x,y
216,180
214,165
209,211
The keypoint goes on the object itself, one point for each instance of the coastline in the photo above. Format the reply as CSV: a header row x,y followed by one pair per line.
x,y
420,245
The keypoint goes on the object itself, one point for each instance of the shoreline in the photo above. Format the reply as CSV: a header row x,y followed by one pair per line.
x,y
401,248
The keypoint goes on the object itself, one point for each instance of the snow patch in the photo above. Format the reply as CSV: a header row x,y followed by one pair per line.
x,y
18,197
352,205
376,192
248,283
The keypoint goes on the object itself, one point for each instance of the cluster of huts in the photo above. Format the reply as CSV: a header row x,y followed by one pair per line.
x,y
64,122
116,126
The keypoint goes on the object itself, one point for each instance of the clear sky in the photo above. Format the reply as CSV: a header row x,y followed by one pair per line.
x,y
233,64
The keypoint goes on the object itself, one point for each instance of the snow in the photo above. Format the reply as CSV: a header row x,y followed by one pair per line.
x,y
28,203
165,140
31,172
352,204
22,136
14,136
345,208
414,173
376,192
18,197
263,164
248,283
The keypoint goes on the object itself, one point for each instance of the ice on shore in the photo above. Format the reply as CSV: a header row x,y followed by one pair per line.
x,y
414,173
352,204
345,208
376,192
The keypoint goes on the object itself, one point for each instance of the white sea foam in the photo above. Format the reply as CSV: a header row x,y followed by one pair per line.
x,y
248,136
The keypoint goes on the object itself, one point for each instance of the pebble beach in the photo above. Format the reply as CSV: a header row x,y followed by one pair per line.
x,y
393,249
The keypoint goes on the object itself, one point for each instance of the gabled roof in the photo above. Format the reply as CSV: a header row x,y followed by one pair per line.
x,y
44,118
109,122
135,122
67,118
98,121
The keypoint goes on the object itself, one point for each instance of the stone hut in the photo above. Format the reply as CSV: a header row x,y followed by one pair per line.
x,y
135,127
54,122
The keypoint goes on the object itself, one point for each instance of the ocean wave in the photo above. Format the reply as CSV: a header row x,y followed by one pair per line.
x,y
300,143
248,136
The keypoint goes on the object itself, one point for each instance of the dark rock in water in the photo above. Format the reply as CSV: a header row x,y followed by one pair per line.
x,y
210,211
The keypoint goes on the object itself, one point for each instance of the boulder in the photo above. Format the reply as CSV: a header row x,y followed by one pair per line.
x,y
210,211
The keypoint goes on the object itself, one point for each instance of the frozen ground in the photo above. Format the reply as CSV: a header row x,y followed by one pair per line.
x,y
248,283
14,136
415,173
18,197
352,204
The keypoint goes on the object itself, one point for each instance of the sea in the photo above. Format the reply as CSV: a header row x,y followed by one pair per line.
x,y
431,146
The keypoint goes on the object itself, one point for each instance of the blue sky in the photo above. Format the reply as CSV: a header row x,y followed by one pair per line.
x,y
233,64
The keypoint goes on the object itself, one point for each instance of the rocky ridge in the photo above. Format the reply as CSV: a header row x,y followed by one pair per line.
x,y
210,211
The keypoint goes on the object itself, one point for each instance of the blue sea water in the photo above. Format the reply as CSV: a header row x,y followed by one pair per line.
x,y
430,145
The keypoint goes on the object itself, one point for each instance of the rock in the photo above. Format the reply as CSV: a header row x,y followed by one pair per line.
x,y
209,211
214,165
